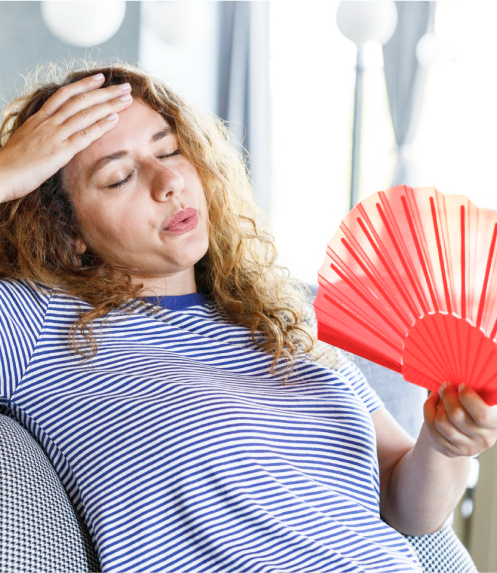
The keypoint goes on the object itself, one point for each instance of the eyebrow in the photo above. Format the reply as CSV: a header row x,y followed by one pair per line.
x,y
103,161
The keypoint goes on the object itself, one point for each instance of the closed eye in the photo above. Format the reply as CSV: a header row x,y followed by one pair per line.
x,y
177,152
114,185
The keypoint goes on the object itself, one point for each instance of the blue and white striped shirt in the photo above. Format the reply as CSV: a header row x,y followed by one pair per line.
x,y
184,454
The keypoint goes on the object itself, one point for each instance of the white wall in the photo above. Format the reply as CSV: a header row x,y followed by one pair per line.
x,y
189,66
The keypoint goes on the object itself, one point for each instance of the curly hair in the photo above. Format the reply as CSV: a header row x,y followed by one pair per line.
x,y
39,231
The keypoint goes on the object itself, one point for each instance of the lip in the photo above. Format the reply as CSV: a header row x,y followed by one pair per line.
x,y
183,226
180,216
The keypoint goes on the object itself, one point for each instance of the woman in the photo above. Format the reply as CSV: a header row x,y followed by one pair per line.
x,y
210,432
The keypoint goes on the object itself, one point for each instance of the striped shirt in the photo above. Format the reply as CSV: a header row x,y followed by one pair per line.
x,y
184,454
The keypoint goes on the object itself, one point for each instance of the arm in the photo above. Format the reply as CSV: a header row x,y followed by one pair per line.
x,y
424,488
425,484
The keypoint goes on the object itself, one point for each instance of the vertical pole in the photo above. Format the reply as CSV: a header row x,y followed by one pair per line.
x,y
356,135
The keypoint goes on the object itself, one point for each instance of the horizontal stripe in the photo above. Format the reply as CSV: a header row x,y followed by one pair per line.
x,y
183,453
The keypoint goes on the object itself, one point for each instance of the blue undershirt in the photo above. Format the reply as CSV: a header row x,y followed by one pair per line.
x,y
180,302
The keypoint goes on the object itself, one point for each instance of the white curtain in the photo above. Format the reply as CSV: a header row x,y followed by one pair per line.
x,y
406,80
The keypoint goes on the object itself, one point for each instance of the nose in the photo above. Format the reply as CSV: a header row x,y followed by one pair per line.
x,y
166,183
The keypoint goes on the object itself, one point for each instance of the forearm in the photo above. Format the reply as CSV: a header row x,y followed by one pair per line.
x,y
425,487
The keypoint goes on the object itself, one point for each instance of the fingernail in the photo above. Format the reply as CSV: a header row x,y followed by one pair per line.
x,y
97,77
112,117
443,386
124,86
125,97
461,387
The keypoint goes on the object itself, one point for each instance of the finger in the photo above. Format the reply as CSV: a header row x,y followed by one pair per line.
x,y
65,93
457,414
79,124
459,441
84,104
430,410
84,137
483,415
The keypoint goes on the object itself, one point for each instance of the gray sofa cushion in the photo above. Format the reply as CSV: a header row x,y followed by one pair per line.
x,y
402,399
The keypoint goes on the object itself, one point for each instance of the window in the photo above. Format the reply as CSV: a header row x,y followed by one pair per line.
x,y
312,96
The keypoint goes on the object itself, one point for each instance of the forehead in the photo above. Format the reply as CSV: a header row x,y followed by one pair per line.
x,y
134,128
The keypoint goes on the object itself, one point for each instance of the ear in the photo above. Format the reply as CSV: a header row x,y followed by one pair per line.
x,y
80,246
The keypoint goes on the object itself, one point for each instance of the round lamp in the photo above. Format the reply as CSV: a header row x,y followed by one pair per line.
x,y
84,24
178,23
430,50
363,22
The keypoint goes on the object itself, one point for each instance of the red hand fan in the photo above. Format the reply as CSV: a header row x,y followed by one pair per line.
x,y
409,282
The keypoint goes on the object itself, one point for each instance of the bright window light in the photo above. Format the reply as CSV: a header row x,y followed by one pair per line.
x,y
312,90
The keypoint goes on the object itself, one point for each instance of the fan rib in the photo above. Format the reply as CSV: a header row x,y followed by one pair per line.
x,y
458,356
397,243
419,252
425,349
359,251
494,331
440,255
443,338
477,372
375,307
485,376
438,342
415,363
452,348
363,324
353,345
465,333
388,268
431,328
469,362
463,263
487,275
474,373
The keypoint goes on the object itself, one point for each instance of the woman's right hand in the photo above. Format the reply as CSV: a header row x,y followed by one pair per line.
x,y
68,122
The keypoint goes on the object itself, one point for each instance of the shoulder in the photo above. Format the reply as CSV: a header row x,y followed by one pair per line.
x,y
19,296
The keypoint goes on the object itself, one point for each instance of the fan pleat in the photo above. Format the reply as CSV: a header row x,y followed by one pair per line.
x,y
389,268
400,249
424,263
463,263
440,256
490,262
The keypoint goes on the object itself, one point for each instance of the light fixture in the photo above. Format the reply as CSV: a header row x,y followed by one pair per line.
x,y
178,23
84,24
430,49
363,22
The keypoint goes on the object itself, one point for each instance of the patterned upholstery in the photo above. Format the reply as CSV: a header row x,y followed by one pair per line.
x,y
442,552
40,532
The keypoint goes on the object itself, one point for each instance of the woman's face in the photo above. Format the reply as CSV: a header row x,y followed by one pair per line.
x,y
124,225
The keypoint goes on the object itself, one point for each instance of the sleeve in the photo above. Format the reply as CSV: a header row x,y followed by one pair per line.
x,y
359,382
22,314
348,369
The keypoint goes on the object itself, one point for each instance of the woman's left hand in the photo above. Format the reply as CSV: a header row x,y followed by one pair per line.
x,y
460,423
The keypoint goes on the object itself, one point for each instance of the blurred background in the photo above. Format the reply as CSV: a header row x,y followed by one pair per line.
x,y
333,101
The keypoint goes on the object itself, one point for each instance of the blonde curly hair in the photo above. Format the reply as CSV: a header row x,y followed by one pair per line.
x,y
38,232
